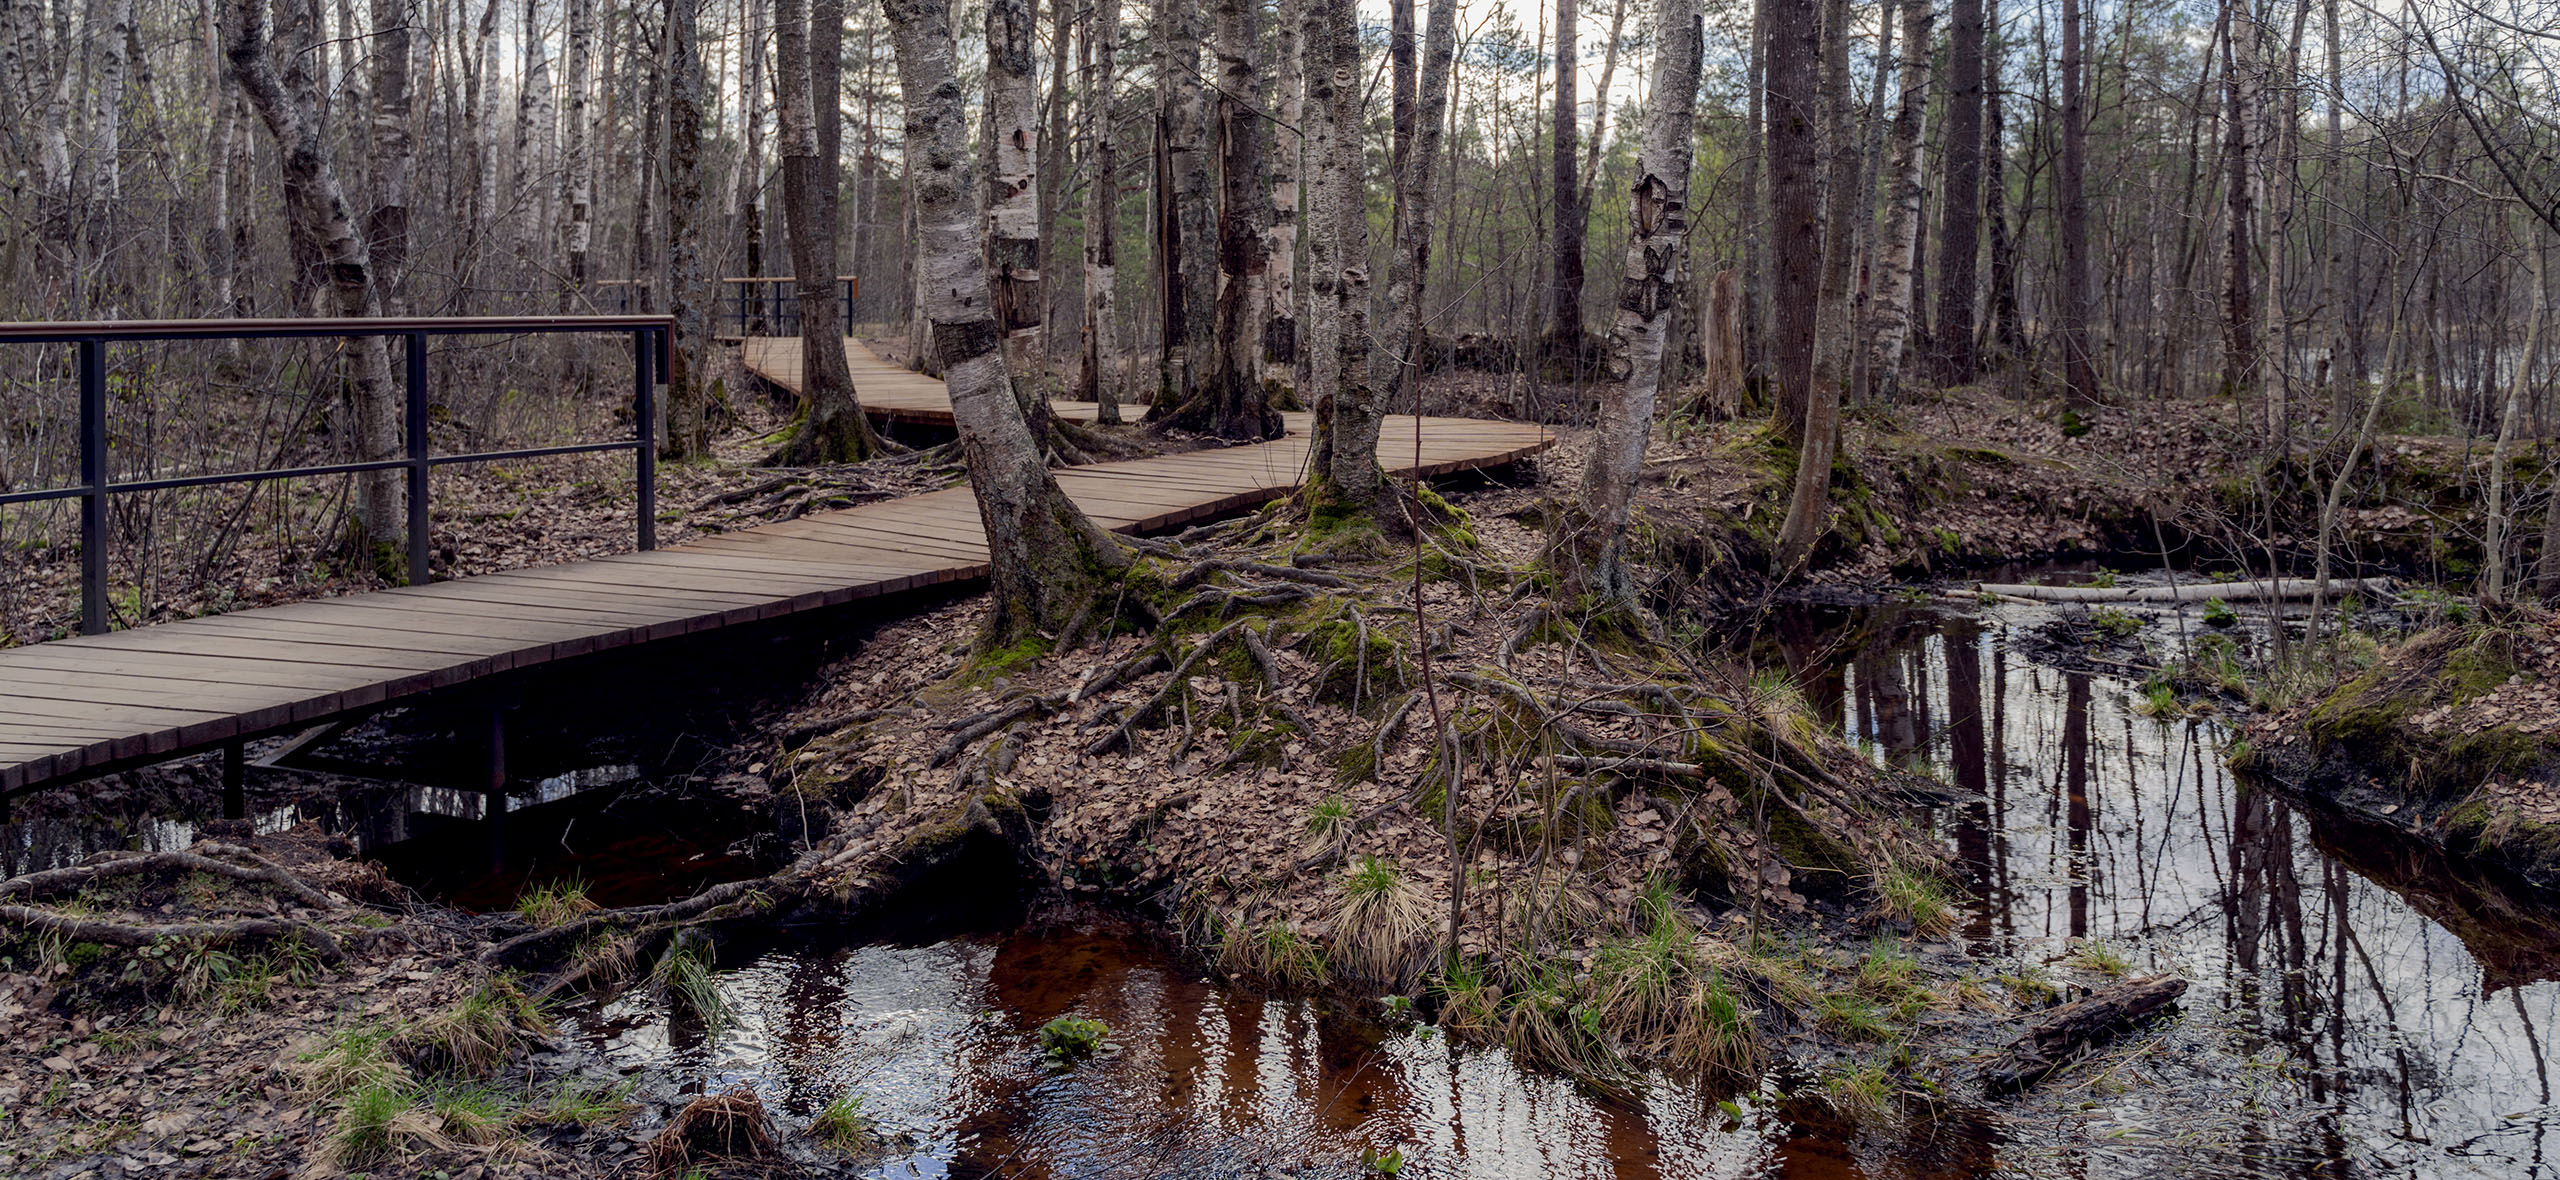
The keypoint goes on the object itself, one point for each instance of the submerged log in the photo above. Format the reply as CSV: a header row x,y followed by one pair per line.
x,y
2060,1035
2260,590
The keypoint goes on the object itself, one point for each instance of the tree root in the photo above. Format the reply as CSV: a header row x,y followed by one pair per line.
x,y
321,942
1148,708
260,871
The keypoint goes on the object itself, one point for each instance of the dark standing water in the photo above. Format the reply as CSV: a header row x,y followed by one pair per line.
x,y
2356,1009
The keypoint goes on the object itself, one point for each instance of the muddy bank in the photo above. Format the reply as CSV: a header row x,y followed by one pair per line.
x,y
1951,481
2452,737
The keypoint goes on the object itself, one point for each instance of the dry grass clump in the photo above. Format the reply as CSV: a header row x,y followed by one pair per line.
x,y
715,1127
477,1035
1382,928
556,903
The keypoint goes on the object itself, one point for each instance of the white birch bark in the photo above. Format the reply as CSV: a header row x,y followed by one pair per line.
x,y
577,181
1895,261
1097,382
1649,289
1044,556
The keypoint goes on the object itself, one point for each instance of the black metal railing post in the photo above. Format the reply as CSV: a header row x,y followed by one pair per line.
x,y
420,572
644,413
847,284
93,484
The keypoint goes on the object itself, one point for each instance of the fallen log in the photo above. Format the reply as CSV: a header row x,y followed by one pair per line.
x,y
2260,590
2060,1035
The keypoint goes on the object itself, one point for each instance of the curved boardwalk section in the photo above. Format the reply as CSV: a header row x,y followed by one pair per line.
x,y
81,706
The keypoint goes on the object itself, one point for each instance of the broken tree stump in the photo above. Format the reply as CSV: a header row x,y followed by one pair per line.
x,y
2060,1035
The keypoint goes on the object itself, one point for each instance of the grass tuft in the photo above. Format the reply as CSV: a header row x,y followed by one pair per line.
x,y
842,1125
1382,925
555,903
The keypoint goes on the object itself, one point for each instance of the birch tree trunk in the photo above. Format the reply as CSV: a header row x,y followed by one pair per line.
x,y
1046,561
1232,405
2493,554
316,213
750,211
533,138
1280,330
1398,361
1013,196
578,179
1896,259
1593,544
394,152
1181,182
484,134
110,28
2239,313
1096,379
1343,469
832,428
1054,154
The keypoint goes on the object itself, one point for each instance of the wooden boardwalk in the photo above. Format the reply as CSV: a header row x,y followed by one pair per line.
x,y
77,707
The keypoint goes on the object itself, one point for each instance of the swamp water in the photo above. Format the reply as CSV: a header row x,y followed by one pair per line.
x,y
2356,1009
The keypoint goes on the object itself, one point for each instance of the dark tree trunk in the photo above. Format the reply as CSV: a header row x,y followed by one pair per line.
x,y
1960,208
1564,326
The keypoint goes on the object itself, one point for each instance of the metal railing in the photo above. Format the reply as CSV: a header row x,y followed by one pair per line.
x,y
770,305
649,340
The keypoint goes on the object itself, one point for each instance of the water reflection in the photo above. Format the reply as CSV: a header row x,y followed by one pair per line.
x,y
2361,1003
1203,1081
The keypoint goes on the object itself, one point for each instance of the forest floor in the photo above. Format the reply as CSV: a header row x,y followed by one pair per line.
x,y
1670,863
1652,834
2451,735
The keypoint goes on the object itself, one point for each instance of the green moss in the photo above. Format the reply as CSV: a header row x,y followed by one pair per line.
x,y
1008,659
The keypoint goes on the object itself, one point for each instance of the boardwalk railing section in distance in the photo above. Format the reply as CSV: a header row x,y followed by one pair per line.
x,y
90,340
770,305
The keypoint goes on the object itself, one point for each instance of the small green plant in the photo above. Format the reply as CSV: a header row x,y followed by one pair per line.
x,y
555,903
2093,955
582,1103
1328,824
2159,700
842,1125
477,1035
1387,1163
2073,425
1949,540
684,976
2218,613
1858,1093
1915,899
2101,580
2116,623
471,1114
1071,1039
365,1129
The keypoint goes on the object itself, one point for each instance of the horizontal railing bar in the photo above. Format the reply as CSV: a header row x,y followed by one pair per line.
x,y
230,477
67,332
786,279
628,444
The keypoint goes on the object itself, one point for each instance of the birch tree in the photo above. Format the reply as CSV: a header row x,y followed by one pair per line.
x,y
688,431
394,152
1097,381
831,428
1280,330
1343,469
578,179
1896,260
1232,404
1046,560
1398,360
316,215
1564,325
1593,542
